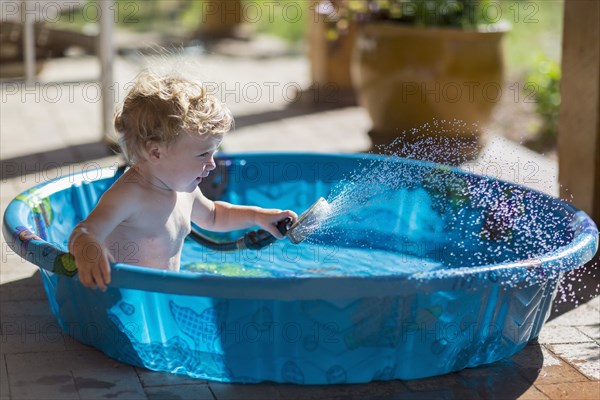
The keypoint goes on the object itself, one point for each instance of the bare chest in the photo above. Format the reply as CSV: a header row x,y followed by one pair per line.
x,y
165,218
156,231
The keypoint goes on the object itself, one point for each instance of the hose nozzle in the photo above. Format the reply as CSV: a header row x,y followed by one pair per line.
x,y
308,222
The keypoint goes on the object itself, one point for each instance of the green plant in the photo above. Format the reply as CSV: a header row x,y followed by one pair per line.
x,y
541,23
265,16
447,13
277,20
461,14
545,79
464,14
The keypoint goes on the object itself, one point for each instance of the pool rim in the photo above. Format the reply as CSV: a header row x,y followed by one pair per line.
x,y
126,276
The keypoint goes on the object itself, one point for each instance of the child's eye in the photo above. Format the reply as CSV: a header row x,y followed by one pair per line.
x,y
203,154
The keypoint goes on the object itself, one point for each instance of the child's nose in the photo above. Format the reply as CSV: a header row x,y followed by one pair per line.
x,y
210,165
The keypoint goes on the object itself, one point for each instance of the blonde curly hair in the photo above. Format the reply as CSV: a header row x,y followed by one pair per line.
x,y
160,108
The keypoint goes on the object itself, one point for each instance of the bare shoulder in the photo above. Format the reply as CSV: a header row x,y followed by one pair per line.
x,y
200,199
118,203
203,209
125,192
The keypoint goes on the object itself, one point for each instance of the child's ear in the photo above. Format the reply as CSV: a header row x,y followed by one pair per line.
x,y
154,151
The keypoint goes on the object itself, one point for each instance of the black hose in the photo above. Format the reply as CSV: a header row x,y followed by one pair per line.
x,y
213,244
253,240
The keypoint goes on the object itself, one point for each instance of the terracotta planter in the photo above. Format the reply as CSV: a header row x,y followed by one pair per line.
x,y
408,76
220,19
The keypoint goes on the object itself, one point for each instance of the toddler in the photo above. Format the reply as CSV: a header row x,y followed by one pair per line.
x,y
169,130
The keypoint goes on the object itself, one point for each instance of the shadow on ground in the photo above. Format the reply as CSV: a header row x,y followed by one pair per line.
x,y
586,283
62,158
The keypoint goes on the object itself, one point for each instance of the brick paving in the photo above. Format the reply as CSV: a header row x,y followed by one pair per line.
x,y
42,137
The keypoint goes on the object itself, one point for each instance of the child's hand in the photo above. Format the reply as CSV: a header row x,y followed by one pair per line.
x,y
92,261
268,219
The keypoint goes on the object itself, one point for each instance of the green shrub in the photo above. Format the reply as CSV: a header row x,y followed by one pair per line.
x,y
545,78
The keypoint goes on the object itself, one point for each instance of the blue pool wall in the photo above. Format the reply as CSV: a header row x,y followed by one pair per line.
x,y
312,330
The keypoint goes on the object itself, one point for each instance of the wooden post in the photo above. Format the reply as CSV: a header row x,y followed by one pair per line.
x,y
329,59
106,53
28,41
579,131
579,118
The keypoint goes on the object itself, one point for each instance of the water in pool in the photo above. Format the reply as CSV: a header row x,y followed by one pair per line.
x,y
354,239
306,259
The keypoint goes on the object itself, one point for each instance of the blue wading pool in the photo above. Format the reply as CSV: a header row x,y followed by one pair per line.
x,y
431,273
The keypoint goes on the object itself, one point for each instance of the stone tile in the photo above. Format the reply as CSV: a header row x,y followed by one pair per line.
x,y
14,268
4,387
41,385
81,70
534,356
23,290
373,391
120,382
490,381
27,324
72,344
595,302
32,170
25,316
296,392
45,340
581,391
495,369
14,148
532,393
563,373
179,392
298,138
155,378
26,180
55,163
593,332
27,308
68,360
89,153
445,394
429,395
442,382
500,150
585,314
540,366
233,391
583,356
561,334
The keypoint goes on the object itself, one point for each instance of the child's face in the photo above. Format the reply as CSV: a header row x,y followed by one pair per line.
x,y
186,161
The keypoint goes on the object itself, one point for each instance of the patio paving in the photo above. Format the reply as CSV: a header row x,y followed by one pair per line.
x,y
42,138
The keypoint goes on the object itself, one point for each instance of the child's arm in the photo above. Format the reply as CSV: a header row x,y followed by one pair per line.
x,y
220,216
86,242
